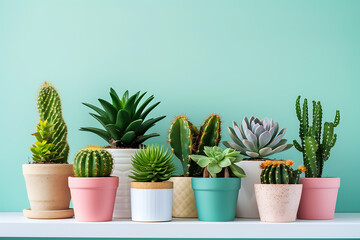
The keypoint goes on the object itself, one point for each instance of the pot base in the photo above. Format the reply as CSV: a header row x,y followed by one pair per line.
x,y
48,214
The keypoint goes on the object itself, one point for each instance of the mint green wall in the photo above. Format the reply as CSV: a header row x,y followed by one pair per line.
x,y
234,58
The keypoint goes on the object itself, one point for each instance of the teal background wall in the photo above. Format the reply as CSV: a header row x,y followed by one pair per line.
x,y
235,58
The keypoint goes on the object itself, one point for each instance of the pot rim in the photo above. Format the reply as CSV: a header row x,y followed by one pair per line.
x,y
152,185
93,182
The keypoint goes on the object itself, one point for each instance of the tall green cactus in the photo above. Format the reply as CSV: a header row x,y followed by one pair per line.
x,y
315,149
49,108
93,161
185,139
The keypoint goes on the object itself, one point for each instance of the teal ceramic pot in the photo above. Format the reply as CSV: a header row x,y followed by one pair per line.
x,y
216,198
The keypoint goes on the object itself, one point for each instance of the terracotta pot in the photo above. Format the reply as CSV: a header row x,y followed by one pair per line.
x,y
151,201
318,200
278,202
246,205
122,166
93,198
47,186
184,205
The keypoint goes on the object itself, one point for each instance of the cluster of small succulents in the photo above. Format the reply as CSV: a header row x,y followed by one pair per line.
x,y
92,161
123,120
280,172
314,145
257,138
186,139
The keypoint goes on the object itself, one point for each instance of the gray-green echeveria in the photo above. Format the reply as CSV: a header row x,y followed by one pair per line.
x,y
257,138
216,160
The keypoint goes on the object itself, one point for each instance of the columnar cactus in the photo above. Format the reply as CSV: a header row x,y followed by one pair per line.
x,y
49,108
280,172
92,161
315,149
186,139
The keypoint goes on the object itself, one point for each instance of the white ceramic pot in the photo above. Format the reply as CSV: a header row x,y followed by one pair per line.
x,y
278,202
122,166
246,205
151,201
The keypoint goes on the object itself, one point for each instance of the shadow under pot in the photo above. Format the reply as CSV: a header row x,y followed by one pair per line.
x,y
151,201
93,198
278,202
318,200
216,198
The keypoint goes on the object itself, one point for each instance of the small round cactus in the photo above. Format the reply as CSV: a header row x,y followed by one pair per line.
x,y
93,161
280,172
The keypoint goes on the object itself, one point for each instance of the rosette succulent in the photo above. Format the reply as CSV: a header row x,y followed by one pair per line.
x,y
219,163
152,164
257,138
123,120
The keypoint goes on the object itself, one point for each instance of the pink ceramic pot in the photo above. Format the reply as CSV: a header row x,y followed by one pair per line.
x,y
93,198
278,202
318,200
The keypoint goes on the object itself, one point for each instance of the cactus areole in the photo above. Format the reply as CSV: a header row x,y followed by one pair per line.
x,y
315,143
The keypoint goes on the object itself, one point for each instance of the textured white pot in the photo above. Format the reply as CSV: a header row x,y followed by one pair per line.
x,y
247,206
121,169
151,201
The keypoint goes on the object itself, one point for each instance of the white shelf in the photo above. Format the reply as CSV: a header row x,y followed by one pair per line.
x,y
345,225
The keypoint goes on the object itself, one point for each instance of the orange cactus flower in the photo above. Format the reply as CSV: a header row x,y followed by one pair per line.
x,y
302,168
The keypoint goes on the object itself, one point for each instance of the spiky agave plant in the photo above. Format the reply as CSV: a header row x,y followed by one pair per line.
x,y
152,164
257,138
124,119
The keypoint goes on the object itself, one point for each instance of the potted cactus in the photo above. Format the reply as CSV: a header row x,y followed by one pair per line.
x,y
124,122
256,139
93,191
217,192
46,177
186,139
151,192
319,196
278,195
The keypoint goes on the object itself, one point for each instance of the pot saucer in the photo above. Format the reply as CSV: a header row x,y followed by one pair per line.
x,y
49,214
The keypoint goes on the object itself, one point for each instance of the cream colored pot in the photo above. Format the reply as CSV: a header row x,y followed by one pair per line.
x,y
47,186
183,200
278,202
122,166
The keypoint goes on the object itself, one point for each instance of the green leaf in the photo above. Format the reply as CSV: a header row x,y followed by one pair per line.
x,y
147,111
203,162
225,163
237,171
115,99
196,158
134,126
111,111
148,124
96,109
142,139
122,120
128,138
214,168
105,135
130,104
142,107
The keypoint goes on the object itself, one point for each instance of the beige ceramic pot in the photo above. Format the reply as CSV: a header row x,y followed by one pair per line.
x,y
278,202
47,186
183,200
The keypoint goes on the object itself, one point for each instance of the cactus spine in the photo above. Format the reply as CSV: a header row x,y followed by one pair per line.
x,y
280,172
185,139
93,161
49,108
315,148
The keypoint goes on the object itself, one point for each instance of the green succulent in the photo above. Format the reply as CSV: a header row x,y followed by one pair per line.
x,y
124,120
218,162
43,150
152,164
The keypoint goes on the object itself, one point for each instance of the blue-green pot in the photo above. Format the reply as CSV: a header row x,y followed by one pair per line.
x,y
216,198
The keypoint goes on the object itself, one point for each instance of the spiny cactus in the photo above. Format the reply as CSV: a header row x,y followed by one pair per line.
x,y
219,163
280,172
314,146
92,161
49,108
124,120
152,164
257,138
186,139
